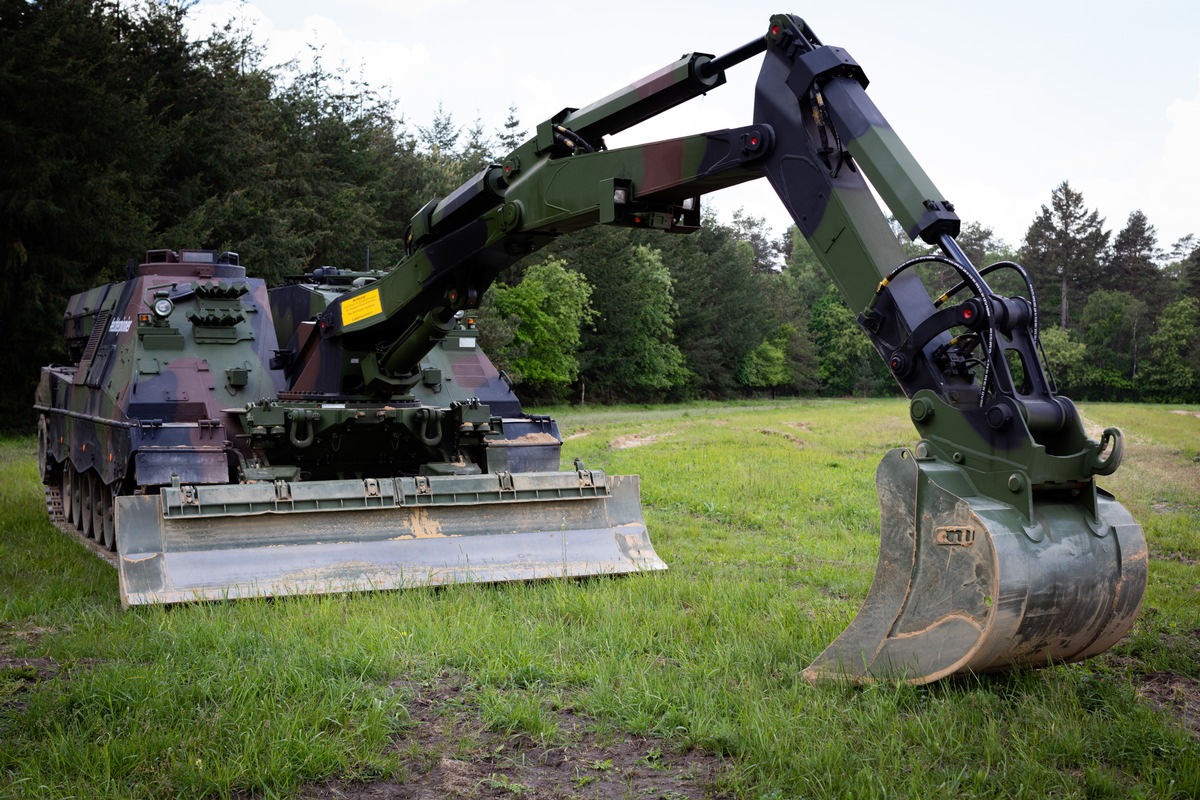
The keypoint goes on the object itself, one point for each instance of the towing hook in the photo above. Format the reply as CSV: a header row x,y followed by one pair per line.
x,y
1102,465
429,428
302,432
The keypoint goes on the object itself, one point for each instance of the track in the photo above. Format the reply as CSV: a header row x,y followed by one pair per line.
x,y
54,507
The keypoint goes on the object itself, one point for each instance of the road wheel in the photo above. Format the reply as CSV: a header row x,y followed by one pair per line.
x,y
108,526
78,484
45,462
70,511
87,501
99,494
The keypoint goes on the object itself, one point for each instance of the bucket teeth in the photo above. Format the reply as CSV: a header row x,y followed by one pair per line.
x,y
965,584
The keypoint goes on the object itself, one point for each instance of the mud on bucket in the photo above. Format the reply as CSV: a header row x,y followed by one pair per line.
x,y
965,584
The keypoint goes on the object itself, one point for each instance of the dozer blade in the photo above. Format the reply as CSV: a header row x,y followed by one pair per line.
x,y
270,539
964,584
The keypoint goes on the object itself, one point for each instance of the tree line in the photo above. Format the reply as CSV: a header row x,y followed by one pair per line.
x,y
120,135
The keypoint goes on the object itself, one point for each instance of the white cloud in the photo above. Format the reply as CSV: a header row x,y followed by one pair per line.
x,y
1178,175
405,8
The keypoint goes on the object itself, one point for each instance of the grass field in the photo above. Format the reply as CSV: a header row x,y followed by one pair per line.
x,y
673,685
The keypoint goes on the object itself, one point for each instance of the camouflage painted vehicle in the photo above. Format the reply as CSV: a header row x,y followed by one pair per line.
x,y
172,434
357,439
139,404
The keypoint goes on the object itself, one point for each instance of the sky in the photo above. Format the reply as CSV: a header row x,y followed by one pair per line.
x,y
1000,102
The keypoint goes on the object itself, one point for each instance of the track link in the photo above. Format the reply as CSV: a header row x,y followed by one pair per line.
x,y
54,507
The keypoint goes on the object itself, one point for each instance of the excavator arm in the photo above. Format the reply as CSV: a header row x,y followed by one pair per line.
x,y
997,547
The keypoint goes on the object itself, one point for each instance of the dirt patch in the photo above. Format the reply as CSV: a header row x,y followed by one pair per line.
x,y
1175,555
27,670
10,630
16,670
1184,412
1173,694
19,675
577,435
800,426
1161,507
636,440
448,753
789,436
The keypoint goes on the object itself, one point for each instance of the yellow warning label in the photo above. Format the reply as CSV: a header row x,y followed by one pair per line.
x,y
356,309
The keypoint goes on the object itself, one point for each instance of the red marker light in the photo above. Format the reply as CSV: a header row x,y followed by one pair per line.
x,y
754,141
968,313
774,29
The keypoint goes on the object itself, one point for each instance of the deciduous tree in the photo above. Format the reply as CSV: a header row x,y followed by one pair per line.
x,y
550,305
1115,327
1173,373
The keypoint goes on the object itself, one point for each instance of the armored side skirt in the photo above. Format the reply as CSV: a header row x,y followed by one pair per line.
x,y
256,540
966,584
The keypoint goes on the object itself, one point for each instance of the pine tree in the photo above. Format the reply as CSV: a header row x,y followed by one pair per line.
x,y
1135,257
1064,251
512,136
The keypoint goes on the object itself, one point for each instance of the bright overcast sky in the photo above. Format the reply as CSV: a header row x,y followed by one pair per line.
x,y
999,101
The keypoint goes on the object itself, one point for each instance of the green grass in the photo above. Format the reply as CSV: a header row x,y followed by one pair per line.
x,y
767,515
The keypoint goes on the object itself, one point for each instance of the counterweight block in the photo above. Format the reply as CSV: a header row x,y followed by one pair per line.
x,y
964,584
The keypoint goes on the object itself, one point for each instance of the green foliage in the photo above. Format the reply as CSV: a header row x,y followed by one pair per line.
x,y
77,127
631,354
1066,357
549,305
447,159
1190,267
1114,326
511,137
155,141
765,367
805,269
1173,373
754,231
720,305
847,362
785,362
1135,257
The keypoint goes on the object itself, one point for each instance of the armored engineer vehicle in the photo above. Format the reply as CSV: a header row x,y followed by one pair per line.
x,y
343,432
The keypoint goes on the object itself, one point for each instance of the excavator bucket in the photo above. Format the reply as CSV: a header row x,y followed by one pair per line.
x,y
967,584
271,539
